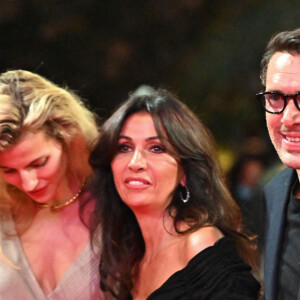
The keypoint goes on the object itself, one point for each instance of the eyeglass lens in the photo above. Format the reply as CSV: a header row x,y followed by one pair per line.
x,y
275,102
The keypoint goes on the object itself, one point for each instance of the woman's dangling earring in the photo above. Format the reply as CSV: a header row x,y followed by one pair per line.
x,y
187,195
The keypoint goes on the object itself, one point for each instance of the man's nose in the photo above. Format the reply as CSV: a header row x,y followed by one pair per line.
x,y
291,114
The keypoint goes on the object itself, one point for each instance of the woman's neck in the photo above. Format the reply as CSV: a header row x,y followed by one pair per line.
x,y
157,230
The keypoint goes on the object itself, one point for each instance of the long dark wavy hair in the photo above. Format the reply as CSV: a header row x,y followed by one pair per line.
x,y
210,201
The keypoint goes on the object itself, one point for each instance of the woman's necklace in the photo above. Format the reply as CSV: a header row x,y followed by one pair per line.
x,y
60,207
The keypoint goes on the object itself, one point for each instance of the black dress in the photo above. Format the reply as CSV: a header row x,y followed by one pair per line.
x,y
216,273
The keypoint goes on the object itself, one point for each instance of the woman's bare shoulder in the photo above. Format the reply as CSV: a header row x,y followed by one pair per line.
x,y
200,239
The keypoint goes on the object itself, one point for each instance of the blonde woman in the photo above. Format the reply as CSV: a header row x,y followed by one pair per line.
x,y
46,135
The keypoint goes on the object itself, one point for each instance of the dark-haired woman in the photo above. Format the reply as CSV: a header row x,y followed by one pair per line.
x,y
170,227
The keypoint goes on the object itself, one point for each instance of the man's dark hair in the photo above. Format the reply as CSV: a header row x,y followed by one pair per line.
x,y
286,41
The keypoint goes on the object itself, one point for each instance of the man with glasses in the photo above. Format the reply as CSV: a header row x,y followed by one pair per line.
x,y
280,75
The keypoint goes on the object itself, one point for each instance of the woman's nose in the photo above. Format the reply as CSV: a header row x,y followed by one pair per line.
x,y
137,161
29,180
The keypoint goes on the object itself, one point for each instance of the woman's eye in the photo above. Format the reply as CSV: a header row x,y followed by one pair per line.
x,y
158,149
123,148
40,163
8,171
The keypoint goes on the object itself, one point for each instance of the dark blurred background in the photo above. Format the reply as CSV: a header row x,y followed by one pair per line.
x,y
206,51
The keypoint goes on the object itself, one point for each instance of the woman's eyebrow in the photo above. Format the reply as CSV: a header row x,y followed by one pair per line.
x,y
148,138
3,167
124,137
30,163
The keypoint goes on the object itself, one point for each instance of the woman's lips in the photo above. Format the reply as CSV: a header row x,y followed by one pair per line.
x,y
38,192
137,182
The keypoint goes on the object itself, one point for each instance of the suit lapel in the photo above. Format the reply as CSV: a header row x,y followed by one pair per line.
x,y
277,194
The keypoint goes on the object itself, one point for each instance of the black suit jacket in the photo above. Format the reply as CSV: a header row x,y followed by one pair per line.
x,y
276,194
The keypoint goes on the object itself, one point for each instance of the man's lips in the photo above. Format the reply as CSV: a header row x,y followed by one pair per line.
x,y
292,136
292,139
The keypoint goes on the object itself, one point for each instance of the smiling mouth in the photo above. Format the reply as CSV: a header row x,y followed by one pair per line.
x,y
135,182
292,139
41,190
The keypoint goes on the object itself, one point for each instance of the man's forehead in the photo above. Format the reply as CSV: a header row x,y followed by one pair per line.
x,y
284,62
283,71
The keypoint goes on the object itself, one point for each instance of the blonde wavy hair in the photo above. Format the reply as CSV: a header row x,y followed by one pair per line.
x,y
30,102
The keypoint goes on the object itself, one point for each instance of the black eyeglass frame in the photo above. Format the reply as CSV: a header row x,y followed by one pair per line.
x,y
260,97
